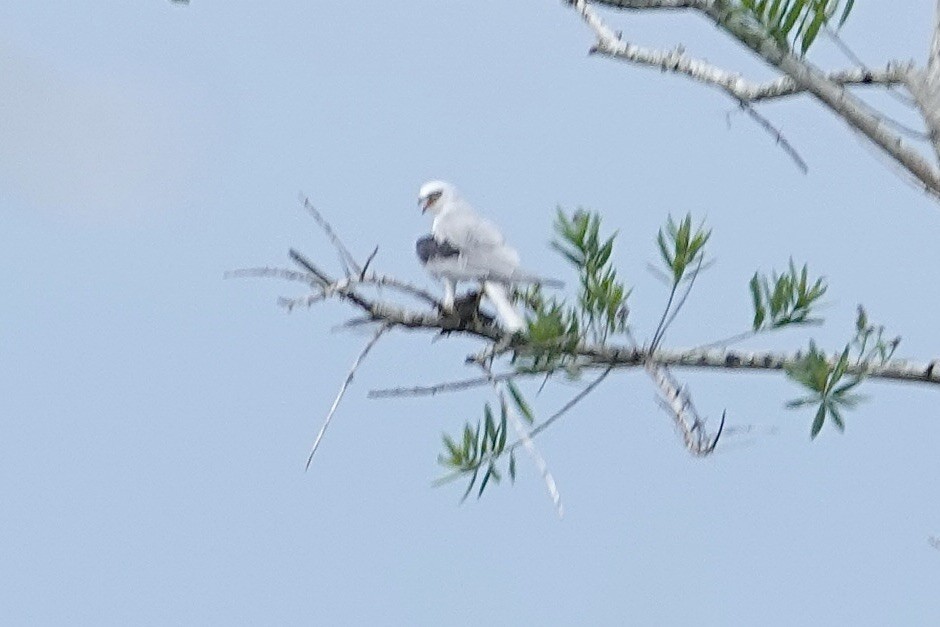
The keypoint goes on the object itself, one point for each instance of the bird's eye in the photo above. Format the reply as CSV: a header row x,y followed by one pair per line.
x,y
433,197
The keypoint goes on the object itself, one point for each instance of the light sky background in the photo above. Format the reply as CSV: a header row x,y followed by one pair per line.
x,y
154,419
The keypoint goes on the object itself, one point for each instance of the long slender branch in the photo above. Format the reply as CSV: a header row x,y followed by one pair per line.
x,y
342,391
440,388
567,406
268,272
656,4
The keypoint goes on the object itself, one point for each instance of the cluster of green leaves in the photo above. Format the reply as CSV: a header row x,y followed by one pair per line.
x,y
785,299
796,23
681,247
870,343
827,389
482,445
831,389
602,298
554,332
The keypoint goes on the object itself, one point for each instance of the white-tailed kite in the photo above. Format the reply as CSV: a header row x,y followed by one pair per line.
x,y
466,247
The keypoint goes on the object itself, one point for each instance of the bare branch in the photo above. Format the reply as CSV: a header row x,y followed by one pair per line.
x,y
778,136
892,75
344,253
278,273
342,391
686,417
306,264
567,406
611,44
452,386
655,4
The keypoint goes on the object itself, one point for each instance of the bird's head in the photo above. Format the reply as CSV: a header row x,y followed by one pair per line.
x,y
434,196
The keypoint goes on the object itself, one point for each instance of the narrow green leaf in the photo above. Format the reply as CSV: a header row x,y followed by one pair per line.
x,y
818,421
802,402
845,12
759,312
811,31
837,419
486,479
520,401
473,480
792,16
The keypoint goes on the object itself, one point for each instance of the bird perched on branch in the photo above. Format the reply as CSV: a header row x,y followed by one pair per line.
x,y
463,246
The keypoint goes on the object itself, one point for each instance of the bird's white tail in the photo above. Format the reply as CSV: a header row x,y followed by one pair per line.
x,y
498,294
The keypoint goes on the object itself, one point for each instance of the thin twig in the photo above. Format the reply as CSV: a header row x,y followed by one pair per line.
x,y
567,406
365,266
342,390
451,386
268,272
305,263
685,296
330,233
774,132
672,294
527,442
740,337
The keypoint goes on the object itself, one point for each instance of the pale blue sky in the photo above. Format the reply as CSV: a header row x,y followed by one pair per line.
x,y
154,419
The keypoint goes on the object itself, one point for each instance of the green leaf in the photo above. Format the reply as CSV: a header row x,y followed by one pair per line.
x,y
473,480
520,401
759,312
792,15
512,466
846,11
802,402
837,419
818,421
490,429
810,35
486,479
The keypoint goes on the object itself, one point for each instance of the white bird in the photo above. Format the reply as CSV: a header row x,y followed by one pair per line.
x,y
464,247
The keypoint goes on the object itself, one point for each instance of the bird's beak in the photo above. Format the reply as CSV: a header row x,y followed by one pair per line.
x,y
423,203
